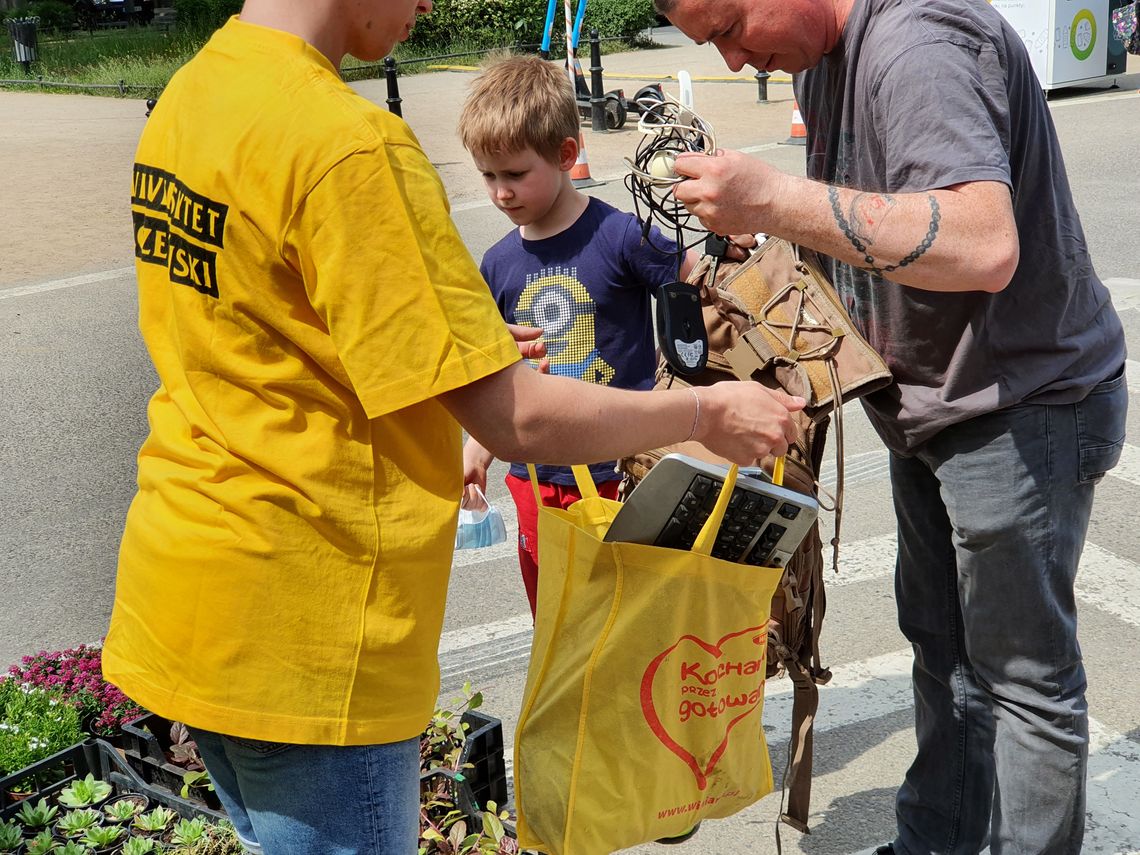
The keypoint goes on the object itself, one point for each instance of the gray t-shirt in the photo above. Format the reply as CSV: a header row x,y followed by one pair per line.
x,y
922,94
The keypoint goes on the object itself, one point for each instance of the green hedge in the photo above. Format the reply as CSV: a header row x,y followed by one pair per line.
x,y
624,18
53,14
506,22
205,14
480,22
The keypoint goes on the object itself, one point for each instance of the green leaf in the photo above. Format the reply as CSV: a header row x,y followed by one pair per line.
x,y
492,826
458,832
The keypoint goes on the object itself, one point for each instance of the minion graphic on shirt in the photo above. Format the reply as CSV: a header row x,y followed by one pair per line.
x,y
554,300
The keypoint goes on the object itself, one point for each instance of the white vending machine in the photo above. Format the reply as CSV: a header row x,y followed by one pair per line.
x,y
1070,42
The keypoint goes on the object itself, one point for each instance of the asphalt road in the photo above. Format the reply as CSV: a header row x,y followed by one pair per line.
x,y
74,380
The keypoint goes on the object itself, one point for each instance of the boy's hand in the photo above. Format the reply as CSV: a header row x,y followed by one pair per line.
x,y
531,345
740,246
476,461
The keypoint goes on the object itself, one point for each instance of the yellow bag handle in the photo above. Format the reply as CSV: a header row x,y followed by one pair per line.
x,y
582,476
778,471
703,545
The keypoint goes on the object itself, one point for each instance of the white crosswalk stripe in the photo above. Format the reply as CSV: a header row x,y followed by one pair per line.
x,y
874,465
1132,372
1128,469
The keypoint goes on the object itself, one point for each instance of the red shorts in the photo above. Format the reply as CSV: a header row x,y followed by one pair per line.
x,y
553,496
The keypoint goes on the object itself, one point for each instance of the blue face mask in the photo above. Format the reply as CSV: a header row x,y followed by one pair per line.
x,y
479,528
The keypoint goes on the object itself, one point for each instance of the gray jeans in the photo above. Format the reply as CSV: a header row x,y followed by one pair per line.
x,y
992,516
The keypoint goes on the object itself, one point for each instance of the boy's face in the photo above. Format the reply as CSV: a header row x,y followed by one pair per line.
x,y
524,185
377,25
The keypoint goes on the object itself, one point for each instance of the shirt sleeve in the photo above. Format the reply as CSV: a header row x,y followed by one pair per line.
x,y
407,309
650,261
942,114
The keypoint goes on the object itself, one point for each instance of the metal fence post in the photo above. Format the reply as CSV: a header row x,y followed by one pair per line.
x,y
393,86
762,85
597,87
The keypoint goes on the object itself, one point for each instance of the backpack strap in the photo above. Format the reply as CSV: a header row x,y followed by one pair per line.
x,y
805,703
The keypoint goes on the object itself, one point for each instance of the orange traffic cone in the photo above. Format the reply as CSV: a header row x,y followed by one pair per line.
x,y
580,173
799,130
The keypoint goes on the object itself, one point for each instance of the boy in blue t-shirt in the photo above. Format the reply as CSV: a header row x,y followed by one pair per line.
x,y
575,267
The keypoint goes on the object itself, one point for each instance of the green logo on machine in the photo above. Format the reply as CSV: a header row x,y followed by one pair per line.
x,y
1082,35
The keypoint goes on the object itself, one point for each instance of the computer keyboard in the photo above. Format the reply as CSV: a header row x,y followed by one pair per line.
x,y
763,524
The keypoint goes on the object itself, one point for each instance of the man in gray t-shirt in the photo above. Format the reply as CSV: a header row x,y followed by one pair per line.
x,y
937,189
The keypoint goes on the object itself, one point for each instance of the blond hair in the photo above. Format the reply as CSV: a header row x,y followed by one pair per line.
x,y
517,103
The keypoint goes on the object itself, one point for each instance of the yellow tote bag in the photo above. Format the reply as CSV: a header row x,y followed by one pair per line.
x,y
643,701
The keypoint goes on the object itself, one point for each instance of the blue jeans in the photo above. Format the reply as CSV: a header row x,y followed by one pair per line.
x,y
288,799
992,516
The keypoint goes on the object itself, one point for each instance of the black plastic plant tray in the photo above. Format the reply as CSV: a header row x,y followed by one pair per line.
x,y
483,749
98,758
49,775
145,743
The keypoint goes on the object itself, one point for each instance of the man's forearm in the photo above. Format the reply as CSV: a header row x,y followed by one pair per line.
x,y
955,239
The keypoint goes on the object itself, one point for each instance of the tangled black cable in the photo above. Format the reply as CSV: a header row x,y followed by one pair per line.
x,y
669,129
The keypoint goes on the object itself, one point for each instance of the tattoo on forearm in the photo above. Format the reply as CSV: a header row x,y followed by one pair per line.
x,y
868,210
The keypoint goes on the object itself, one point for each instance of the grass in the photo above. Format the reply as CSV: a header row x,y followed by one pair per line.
x,y
145,59
140,58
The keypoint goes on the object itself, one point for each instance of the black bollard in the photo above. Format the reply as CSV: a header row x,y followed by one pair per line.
x,y
597,87
393,86
762,85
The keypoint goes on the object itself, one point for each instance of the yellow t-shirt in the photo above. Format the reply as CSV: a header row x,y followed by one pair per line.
x,y
305,297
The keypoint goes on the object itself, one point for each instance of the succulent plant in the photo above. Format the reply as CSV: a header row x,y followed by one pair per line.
x,y
139,846
84,791
76,822
154,820
11,836
124,809
42,844
103,837
38,815
188,831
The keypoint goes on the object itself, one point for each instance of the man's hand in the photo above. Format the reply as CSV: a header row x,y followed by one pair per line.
x,y
531,345
729,191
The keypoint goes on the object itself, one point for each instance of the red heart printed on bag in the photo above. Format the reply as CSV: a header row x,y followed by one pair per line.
x,y
694,693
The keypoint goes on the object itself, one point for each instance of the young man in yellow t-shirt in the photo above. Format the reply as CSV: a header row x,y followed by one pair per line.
x,y
320,333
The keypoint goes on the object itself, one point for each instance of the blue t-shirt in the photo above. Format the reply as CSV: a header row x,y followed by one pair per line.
x,y
590,290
